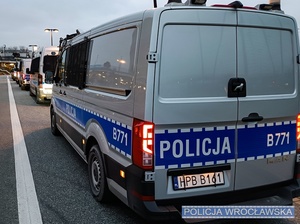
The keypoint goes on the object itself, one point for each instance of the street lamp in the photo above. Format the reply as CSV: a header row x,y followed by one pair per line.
x,y
34,46
4,46
51,30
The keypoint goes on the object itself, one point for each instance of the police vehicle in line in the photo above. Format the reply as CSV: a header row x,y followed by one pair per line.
x,y
186,104
41,73
24,77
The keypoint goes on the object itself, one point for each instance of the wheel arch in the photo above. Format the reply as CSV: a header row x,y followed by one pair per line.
x,y
96,135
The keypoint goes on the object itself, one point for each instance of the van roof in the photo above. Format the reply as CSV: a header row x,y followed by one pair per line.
x,y
139,16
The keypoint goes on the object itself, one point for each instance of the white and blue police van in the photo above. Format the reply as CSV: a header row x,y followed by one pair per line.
x,y
41,73
185,104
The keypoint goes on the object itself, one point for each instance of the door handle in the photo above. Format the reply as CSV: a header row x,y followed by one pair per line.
x,y
239,88
252,117
236,87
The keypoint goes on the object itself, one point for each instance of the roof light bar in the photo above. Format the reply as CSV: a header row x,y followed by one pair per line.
x,y
265,7
269,7
195,2
174,1
198,2
236,4
276,6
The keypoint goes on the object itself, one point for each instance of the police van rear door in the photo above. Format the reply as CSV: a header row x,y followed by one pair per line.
x,y
224,107
266,62
195,120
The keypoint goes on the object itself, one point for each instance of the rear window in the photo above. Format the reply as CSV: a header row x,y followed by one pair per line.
x,y
49,63
198,61
266,61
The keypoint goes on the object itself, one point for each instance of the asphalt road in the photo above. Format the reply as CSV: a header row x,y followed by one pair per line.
x,y
59,173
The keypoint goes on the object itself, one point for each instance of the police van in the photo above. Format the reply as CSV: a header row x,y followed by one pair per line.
x,y
186,104
24,77
41,73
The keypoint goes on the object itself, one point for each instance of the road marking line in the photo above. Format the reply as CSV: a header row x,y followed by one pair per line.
x,y
28,206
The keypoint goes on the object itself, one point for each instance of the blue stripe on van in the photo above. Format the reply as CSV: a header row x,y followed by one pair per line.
x,y
210,146
118,135
266,140
176,148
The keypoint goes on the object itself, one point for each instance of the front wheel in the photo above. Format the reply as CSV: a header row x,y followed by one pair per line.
x,y
54,129
97,176
30,92
37,97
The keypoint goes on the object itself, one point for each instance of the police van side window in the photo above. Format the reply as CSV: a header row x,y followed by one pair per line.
x,y
111,65
75,68
61,68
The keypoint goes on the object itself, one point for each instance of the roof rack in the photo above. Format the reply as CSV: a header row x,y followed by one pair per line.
x,y
63,41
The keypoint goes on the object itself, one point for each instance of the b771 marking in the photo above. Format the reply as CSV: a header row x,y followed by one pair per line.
x,y
278,139
120,136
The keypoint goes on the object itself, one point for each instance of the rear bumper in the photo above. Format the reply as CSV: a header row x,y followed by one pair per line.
x,y
44,96
140,195
281,194
25,82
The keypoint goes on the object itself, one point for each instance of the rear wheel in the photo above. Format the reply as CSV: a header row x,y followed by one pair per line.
x,y
97,176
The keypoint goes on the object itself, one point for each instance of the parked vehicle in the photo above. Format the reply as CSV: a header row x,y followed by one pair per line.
x,y
184,105
16,71
41,74
24,77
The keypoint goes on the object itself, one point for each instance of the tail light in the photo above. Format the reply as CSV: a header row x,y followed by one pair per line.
x,y
143,144
297,167
40,79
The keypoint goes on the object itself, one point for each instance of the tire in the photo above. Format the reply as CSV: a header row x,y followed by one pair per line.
x,y
97,176
37,97
54,129
30,93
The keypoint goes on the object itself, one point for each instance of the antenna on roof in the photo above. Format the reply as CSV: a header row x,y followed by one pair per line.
x,y
155,3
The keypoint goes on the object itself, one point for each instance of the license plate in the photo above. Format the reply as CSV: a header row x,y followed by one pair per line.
x,y
198,180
